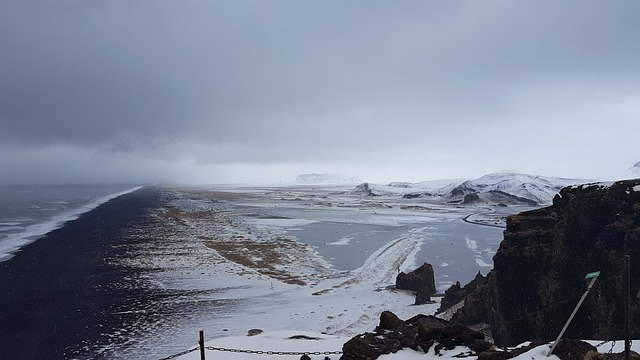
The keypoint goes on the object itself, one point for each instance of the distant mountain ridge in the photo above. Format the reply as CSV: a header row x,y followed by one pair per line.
x,y
511,188
495,189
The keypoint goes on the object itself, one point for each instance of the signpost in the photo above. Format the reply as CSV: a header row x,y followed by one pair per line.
x,y
593,276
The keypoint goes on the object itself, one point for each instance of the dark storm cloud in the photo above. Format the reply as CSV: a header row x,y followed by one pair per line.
x,y
285,81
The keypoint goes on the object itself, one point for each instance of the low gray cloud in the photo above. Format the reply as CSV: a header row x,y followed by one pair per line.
x,y
211,91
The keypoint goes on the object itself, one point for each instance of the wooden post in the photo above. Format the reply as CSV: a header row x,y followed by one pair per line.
x,y
201,345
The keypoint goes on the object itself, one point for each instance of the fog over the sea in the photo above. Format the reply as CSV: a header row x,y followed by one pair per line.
x,y
260,91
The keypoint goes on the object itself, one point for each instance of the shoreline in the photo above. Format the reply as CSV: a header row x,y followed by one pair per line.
x,y
32,233
56,292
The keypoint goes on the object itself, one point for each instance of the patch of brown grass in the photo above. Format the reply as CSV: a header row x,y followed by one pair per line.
x,y
265,257
261,256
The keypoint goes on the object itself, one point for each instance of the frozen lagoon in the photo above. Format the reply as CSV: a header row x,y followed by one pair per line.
x,y
345,230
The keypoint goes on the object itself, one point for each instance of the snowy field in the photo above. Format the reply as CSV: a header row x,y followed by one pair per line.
x,y
303,259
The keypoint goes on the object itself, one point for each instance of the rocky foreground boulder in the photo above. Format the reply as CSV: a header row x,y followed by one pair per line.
x,y
429,334
540,267
421,333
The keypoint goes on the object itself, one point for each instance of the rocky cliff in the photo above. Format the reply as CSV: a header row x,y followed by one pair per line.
x,y
539,270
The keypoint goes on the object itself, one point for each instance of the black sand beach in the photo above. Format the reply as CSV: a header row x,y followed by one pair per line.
x,y
57,295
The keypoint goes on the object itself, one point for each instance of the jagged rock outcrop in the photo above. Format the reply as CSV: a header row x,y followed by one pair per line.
x,y
364,189
455,294
420,280
540,266
420,333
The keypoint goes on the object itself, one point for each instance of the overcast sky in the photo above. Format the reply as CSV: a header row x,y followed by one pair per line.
x,y
261,91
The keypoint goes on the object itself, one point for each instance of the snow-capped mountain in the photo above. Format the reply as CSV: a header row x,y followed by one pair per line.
x,y
327,179
633,172
497,188
511,188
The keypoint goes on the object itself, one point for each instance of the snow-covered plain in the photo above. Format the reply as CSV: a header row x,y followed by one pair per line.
x,y
313,260
285,284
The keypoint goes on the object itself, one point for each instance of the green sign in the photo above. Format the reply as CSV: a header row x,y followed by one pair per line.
x,y
592,275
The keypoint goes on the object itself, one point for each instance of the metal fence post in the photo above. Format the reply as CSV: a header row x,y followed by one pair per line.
x,y
593,276
627,306
201,342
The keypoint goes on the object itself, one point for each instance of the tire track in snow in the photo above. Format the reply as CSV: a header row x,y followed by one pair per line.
x,y
381,268
378,271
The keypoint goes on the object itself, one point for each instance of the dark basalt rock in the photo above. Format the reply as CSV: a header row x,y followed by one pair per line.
x,y
364,189
389,320
455,293
570,349
423,296
419,279
495,355
419,333
540,266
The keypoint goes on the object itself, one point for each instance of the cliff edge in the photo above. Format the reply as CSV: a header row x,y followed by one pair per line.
x,y
540,267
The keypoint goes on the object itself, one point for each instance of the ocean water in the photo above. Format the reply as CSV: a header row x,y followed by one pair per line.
x,y
29,212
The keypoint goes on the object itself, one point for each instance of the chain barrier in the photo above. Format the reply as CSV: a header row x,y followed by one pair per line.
x,y
257,352
602,343
263,352
613,343
180,354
